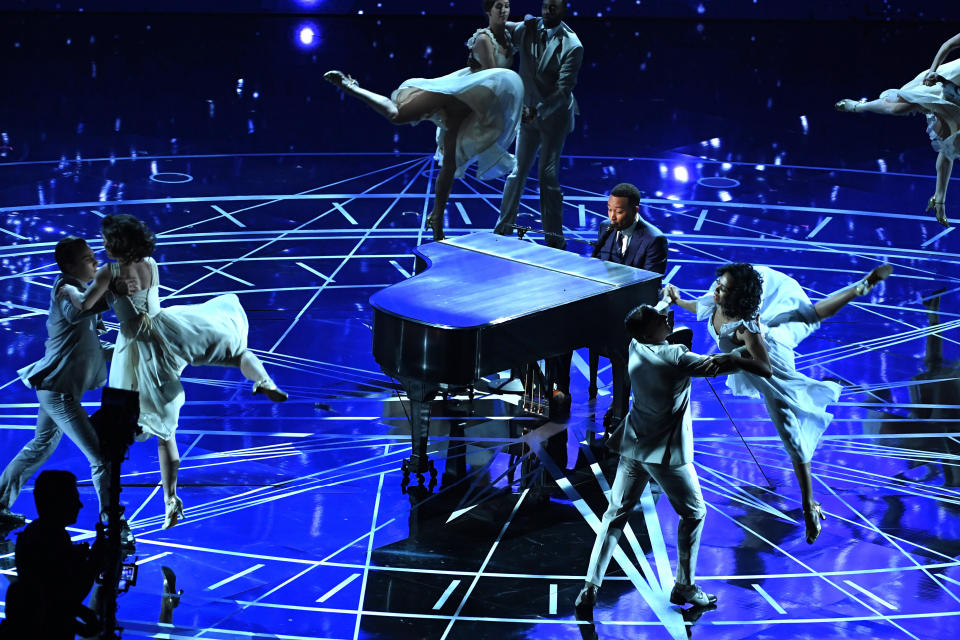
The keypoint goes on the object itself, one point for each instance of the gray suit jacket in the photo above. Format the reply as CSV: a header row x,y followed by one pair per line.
x,y
548,81
658,428
74,361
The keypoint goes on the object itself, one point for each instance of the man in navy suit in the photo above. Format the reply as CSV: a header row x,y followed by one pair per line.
x,y
629,240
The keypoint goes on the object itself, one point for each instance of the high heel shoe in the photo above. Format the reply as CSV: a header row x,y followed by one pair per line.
x,y
436,225
938,210
171,596
847,105
268,388
812,520
340,79
873,278
174,512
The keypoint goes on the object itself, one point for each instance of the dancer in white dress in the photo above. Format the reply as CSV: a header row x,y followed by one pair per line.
x,y
155,344
766,313
477,109
934,93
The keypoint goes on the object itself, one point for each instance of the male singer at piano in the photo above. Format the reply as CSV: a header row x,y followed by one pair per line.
x,y
656,441
629,240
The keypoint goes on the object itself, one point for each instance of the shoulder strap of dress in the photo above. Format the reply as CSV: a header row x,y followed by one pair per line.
x,y
483,30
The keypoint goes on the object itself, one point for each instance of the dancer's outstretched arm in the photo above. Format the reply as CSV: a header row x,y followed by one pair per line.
x,y
86,300
946,48
672,294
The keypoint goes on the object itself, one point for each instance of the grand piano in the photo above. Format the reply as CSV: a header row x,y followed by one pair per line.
x,y
484,303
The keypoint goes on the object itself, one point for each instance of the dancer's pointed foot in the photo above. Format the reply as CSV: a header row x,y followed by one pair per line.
x,y
873,278
847,105
938,210
435,224
174,512
340,79
267,387
812,518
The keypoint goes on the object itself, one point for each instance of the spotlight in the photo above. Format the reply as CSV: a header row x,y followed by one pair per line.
x,y
307,35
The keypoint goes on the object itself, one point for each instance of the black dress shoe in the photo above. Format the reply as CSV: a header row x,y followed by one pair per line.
x,y
127,541
583,606
610,420
691,594
11,520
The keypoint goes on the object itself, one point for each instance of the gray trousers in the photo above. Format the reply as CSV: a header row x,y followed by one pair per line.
x,y
681,486
550,144
59,413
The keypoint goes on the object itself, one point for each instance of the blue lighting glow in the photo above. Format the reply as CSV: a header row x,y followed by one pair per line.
x,y
680,173
307,35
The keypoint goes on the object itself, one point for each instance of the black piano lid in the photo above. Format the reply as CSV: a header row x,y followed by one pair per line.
x,y
484,279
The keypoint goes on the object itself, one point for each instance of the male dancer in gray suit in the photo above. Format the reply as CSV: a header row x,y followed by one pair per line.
x,y
550,58
656,441
73,364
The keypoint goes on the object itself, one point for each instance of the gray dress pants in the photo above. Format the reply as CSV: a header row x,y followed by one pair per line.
x,y
59,413
681,486
549,143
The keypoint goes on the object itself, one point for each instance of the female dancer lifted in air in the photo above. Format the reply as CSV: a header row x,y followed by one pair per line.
x,y
477,109
766,313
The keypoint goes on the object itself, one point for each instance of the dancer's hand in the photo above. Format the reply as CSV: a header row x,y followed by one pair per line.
x,y
528,115
931,78
671,294
719,363
126,286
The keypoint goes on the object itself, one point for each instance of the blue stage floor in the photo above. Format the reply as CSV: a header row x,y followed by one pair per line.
x,y
296,522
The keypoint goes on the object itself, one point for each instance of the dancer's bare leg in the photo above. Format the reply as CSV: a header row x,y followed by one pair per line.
x,y
252,369
883,107
811,508
455,113
169,466
415,106
836,301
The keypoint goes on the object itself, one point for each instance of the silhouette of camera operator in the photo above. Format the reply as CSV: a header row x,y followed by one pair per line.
x,y
54,575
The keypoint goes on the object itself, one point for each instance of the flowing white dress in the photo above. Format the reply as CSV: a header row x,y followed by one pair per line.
x,y
154,345
939,101
495,97
796,403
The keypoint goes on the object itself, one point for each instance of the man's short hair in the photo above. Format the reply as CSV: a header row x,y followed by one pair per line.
x,y
628,191
68,250
639,320
51,488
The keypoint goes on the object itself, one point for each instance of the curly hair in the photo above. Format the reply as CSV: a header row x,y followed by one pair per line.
x,y
127,238
746,289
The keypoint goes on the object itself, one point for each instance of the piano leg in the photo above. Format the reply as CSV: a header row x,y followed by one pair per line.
x,y
421,397
594,367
